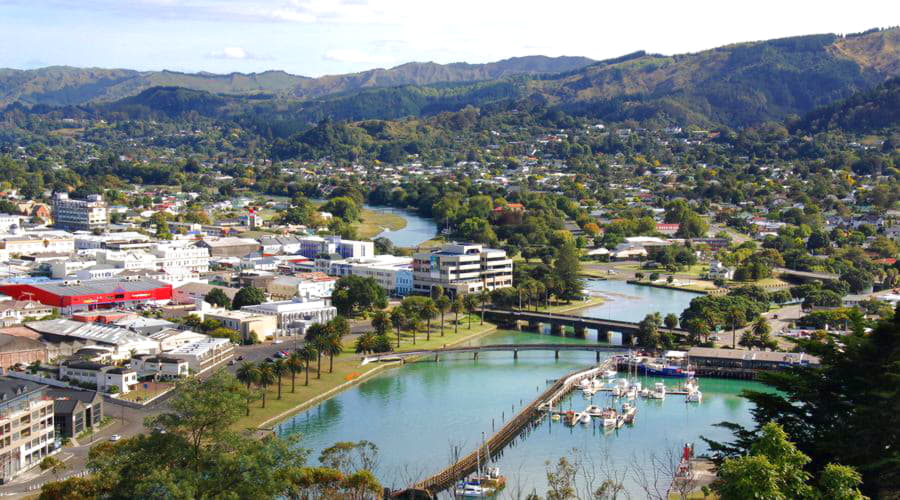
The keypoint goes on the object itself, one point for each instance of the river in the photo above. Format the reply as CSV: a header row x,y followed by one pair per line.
x,y
416,413
417,230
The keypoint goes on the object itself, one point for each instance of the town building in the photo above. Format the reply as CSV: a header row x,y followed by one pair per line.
x,y
229,246
189,293
314,246
74,214
160,367
15,350
393,273
171,338
105,378
304,285
462,269
204,354
13,312
247,323
65,337
296,315
75,411
76,295
26,426
719,271
9,222
57,242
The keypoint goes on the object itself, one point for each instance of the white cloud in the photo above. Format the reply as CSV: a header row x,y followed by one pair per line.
x,y
355,56
236,54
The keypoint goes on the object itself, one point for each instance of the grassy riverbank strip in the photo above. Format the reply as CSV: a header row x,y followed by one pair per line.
x,y
374,222
348,372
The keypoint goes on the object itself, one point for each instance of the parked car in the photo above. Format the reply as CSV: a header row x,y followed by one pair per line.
x,y
715,337
280,354
115,437
240,358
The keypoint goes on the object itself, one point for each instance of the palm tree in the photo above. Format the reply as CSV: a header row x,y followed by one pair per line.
x,y
315,336
429,312
398,318
381,322
279,368
265,379
333,345
248,373
308,352
365,343
735,316
483,297
457,306
471,303
294,364
443,305
538,289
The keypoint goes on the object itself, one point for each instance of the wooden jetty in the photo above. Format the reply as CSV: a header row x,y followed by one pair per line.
x,y
528,417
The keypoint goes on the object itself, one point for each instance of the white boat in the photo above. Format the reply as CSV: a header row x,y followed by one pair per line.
x,y
659,391
610,374
694,397
620,387
620,421
645,393
473,489
593,410
632,393
585,418
584,383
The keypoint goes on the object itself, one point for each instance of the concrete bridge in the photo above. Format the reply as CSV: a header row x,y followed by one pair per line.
x,y
533,320
513,348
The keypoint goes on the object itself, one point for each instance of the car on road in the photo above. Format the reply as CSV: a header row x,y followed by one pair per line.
x,y
277,341
115,437
240,358
715,337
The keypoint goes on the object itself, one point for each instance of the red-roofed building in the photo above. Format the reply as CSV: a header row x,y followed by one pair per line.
x,y
75,295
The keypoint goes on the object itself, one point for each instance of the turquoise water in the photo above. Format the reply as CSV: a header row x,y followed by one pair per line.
x,y
418,412
627,302
417,229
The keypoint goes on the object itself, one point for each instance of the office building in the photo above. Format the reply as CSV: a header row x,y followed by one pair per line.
x,y
462,269
84,215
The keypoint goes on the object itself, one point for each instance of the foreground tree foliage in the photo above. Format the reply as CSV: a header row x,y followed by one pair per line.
x,y
844,411
200,456
774,470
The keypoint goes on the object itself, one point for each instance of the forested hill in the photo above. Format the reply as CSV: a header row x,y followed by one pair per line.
x,y
63,86
865,112
736,86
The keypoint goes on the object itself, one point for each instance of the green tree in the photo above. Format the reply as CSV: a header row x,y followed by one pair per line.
x,y
671,321
265,378
248,374
381,322
308,351
248,296
443,305
217,298
470,302
316,337
566,268
398,318
355,294
279,368
295,364
457,306
648,331
429,312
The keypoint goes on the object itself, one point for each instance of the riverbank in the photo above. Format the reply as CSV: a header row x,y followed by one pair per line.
x,y
374,223
348,373
694,288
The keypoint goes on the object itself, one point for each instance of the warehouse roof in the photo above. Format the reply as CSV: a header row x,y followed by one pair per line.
x,y
75,288
89,331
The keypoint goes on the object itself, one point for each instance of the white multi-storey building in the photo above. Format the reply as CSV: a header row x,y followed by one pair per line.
x,y
184,255
86,214
26,426
297,314
392,273
313,246
462,268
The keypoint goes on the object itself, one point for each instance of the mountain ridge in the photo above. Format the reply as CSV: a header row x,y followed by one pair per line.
x,y
69,85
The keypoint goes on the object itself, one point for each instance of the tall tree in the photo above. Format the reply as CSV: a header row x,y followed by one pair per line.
x,y
566,268
457,306
217,297
248,296
398,318
248,373
279,368
294,364
315,337
265,378
443,305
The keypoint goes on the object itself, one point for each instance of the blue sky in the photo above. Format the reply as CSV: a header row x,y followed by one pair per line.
x,y
316,37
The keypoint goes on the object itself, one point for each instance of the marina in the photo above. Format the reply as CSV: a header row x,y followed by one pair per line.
x,y
418,413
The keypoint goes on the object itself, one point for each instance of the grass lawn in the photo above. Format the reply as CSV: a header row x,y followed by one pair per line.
x,y
140,394
374,223
561,307
432,243
764,283
347,368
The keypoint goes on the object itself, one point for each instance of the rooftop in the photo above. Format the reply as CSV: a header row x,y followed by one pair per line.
x,y
98,287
